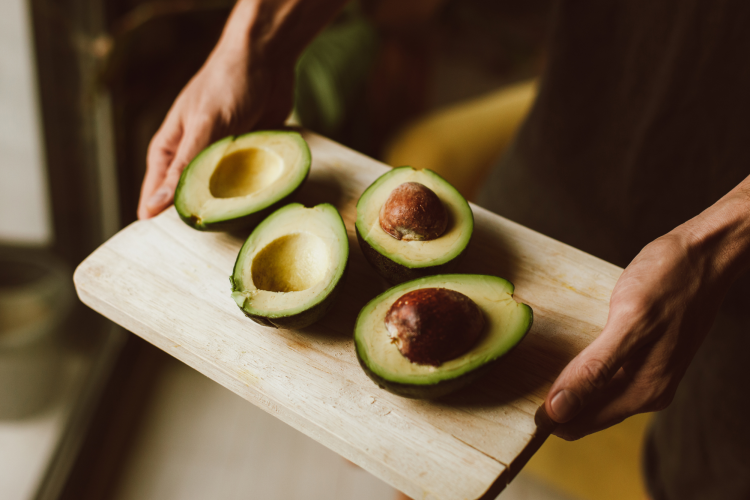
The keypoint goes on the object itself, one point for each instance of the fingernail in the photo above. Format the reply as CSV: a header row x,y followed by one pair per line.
x,y
565,405
158,198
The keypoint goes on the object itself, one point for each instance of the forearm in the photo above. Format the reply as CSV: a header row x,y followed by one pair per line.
x,y
720,235
274,32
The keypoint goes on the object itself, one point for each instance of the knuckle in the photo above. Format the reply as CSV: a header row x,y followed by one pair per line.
x,y
157,138
178,164
158,154
154,149
176,168
594,372
656,396
660,401
201,120
229,118
634,308
181,160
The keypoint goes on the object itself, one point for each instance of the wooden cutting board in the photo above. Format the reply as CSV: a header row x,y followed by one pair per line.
x,y
169,284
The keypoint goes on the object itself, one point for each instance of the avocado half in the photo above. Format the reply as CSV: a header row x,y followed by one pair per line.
x,y
506,324
396,260
291,267
236,182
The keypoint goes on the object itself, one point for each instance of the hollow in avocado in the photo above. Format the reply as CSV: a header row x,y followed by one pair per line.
x,y
412,223
291,267
236,182
441,364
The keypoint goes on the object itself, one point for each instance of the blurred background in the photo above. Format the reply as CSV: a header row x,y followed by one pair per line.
x,y
89,411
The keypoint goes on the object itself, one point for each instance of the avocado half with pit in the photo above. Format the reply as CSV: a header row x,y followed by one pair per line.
x,y
237,181
505,323
402,258
291,267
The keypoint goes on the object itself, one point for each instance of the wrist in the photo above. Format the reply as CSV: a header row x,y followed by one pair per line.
x,y
719,237
274,33
235,38
240,47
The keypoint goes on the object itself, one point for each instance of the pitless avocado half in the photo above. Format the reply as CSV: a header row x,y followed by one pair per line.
x,y
506,322
399,260
236,182
291,267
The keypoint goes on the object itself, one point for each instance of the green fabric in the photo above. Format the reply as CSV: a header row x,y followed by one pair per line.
x,y
332,73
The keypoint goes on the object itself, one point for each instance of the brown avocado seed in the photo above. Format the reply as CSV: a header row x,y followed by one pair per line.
x,y
413,212
433,325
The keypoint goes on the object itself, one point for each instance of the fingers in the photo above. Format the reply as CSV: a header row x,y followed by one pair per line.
x,y
161,152
591,371
603,409
543,422
195,138
646,382
207,107
623,398
588,373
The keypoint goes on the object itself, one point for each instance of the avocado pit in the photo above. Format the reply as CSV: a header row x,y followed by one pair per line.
x,y
413,212
433,325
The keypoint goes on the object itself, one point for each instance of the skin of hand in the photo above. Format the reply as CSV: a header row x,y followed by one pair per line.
x,y
225,97
661,309
246,83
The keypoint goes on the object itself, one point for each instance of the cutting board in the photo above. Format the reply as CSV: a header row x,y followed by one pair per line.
x,y
169,284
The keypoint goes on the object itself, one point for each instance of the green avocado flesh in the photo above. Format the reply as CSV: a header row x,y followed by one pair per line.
x,y
235,182
398,260
506,323
291,266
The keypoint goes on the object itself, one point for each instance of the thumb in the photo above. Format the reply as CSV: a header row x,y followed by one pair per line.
x,y
586,375
193,141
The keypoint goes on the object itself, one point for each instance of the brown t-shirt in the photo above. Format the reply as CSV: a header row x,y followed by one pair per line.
x,y
642,122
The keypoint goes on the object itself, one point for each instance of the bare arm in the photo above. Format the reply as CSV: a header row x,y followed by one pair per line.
x,y
660,311
246,83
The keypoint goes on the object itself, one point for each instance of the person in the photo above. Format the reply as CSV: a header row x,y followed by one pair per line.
x,y
635,151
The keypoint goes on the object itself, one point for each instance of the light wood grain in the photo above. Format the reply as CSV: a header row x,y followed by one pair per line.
x,y
169,284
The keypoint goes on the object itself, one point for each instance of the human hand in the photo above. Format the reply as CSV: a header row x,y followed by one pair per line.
x,y
661,309
229,95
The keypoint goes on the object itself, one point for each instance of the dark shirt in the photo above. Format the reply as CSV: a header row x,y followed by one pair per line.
x,y
643,121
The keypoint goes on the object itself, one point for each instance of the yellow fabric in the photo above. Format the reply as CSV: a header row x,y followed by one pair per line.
x,y
460,143
602,465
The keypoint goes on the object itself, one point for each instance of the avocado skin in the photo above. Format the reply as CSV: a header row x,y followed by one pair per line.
x,y
396,273
432,391
245,222
443,387
304,318
392,271
248,221
440,389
